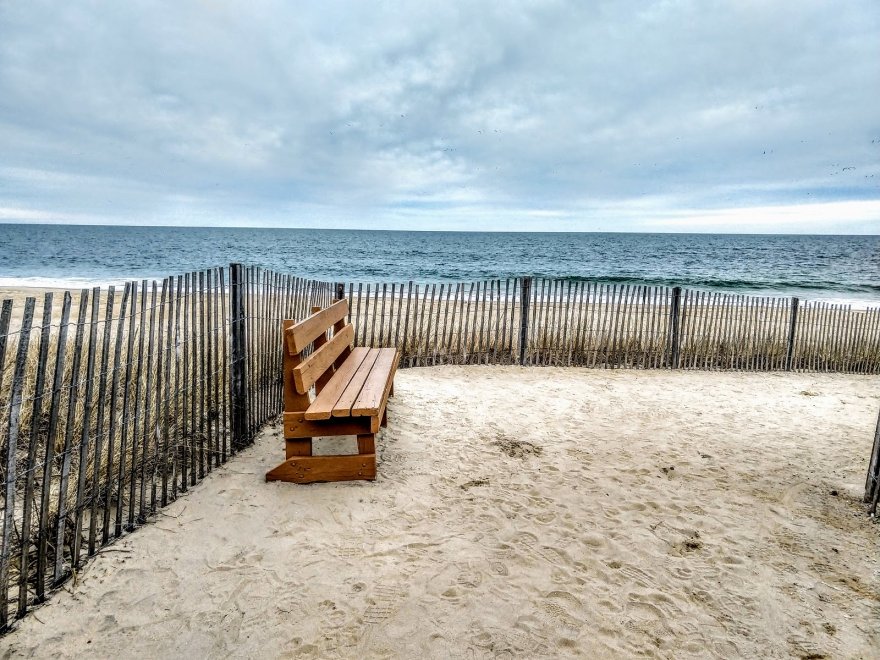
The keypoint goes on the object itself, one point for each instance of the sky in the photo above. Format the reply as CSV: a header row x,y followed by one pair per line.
x,y
541,115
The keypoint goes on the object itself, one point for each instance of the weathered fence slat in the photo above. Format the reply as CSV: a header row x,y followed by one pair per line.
x,y
525,301
31,464
163,396
608,299
249,352
431,321
5,317
226,387
66,453
405,335
675,319
238,377
49,450
463,336
177,390
439,332
212,338
450,354
601,294
792,333
138,410
204,453
88,406
99,423
185,389
255,352
18,378
146,432
125,413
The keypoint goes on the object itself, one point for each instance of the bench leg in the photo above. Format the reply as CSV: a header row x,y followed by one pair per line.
x,y
367,444
385,417
297,447
309,469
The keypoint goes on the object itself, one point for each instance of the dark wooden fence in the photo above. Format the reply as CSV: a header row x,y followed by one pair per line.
x,y
114,402
572,323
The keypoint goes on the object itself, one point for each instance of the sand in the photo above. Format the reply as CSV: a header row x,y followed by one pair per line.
x,y
518,513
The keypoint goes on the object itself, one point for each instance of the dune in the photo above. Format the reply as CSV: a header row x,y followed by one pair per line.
x,y
549,512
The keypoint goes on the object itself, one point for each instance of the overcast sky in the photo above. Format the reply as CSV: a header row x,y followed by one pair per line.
x,y
695,115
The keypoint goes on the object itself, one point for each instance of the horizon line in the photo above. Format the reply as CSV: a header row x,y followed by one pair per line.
x,y
4,221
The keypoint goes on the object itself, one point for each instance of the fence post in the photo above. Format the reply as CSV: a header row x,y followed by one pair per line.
x,y
675,317
340,290
237,375
792,326
525,297
872,483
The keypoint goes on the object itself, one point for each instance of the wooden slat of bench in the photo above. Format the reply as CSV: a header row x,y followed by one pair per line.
x,y
377,386
306,331
306,373
295,426
343,405
309,469
322,406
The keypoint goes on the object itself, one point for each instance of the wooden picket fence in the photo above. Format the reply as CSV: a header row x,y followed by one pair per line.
x,y
573,323
107,418
115,401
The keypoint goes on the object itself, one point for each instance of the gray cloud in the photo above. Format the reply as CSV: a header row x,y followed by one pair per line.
x,y
526,115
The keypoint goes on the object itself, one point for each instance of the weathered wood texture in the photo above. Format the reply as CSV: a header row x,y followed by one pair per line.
x,y
114,402
533,321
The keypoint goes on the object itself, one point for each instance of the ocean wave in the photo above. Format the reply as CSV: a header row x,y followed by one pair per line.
x,y
718,283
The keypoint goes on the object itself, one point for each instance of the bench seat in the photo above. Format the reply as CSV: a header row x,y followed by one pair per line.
x,y
359,388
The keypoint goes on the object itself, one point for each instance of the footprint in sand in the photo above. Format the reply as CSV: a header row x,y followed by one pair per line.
x,y
384,601
498,643
636,575
555,610
545,518
468,576
646,618
330,614
682,572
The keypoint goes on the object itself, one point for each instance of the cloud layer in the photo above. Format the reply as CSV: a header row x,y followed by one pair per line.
x,y
687,115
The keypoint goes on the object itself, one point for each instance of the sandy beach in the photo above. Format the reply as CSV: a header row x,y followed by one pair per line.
x,y
518,513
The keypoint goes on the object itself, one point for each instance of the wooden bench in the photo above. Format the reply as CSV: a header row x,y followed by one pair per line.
x,y
352,387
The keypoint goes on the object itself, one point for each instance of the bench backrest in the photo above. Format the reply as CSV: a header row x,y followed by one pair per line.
x,y
318,367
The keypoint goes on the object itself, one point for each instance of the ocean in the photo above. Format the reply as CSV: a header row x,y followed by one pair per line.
x,y
830,268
